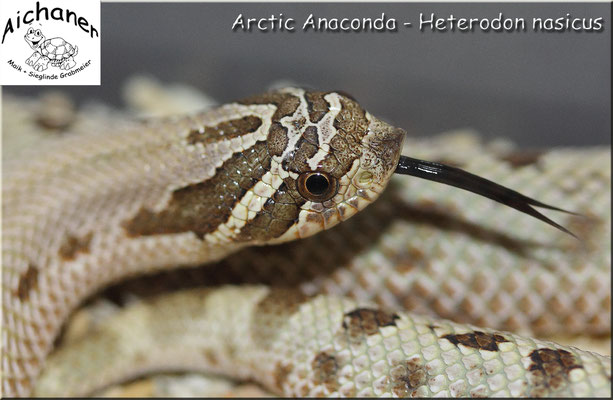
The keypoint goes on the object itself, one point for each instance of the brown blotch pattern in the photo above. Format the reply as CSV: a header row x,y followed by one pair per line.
x,y
279,213
273,311
287,104
406,377
27,282
306,147
224,130
407,260
317,105
325,368
73,245
210,356
202,207
477,340
280,374
352,126
367,321
311,135
520,159
281,301
283,209
549,371
277,139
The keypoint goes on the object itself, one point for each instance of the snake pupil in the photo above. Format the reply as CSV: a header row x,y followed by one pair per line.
x,y
317,184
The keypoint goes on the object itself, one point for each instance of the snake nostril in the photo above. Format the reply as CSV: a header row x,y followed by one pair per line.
x,y
364,179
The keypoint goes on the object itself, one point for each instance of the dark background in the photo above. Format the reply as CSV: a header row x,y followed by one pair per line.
x,y
540,89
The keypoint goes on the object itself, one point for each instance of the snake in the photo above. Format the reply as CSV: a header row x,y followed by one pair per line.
x,y
428,291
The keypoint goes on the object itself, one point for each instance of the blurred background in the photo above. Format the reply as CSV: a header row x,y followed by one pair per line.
x,y
540,89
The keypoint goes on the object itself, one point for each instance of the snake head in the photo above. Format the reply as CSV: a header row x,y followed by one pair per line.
x,y
334,158
287,164
296,162
330,159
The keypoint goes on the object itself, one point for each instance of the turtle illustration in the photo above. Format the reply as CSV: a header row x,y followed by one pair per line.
x,y
56,51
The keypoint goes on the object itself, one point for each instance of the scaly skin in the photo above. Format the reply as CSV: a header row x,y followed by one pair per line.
x,y
320,346
83,211
425,275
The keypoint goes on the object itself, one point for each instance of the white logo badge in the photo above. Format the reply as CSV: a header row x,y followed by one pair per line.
x,y
52,42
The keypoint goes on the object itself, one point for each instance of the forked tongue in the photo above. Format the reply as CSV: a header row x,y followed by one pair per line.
x,y
459,178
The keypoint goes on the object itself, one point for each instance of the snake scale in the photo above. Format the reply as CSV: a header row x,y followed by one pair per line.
x,y
364,308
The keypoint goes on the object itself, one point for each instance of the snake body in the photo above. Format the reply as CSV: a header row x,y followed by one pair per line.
x,y
87,210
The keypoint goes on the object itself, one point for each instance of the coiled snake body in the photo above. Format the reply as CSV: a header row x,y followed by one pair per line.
x,y
86,210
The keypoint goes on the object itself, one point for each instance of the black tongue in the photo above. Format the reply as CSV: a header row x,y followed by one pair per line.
x,y
459,178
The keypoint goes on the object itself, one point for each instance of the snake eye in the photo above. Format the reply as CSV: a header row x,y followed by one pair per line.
x,y
317,186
